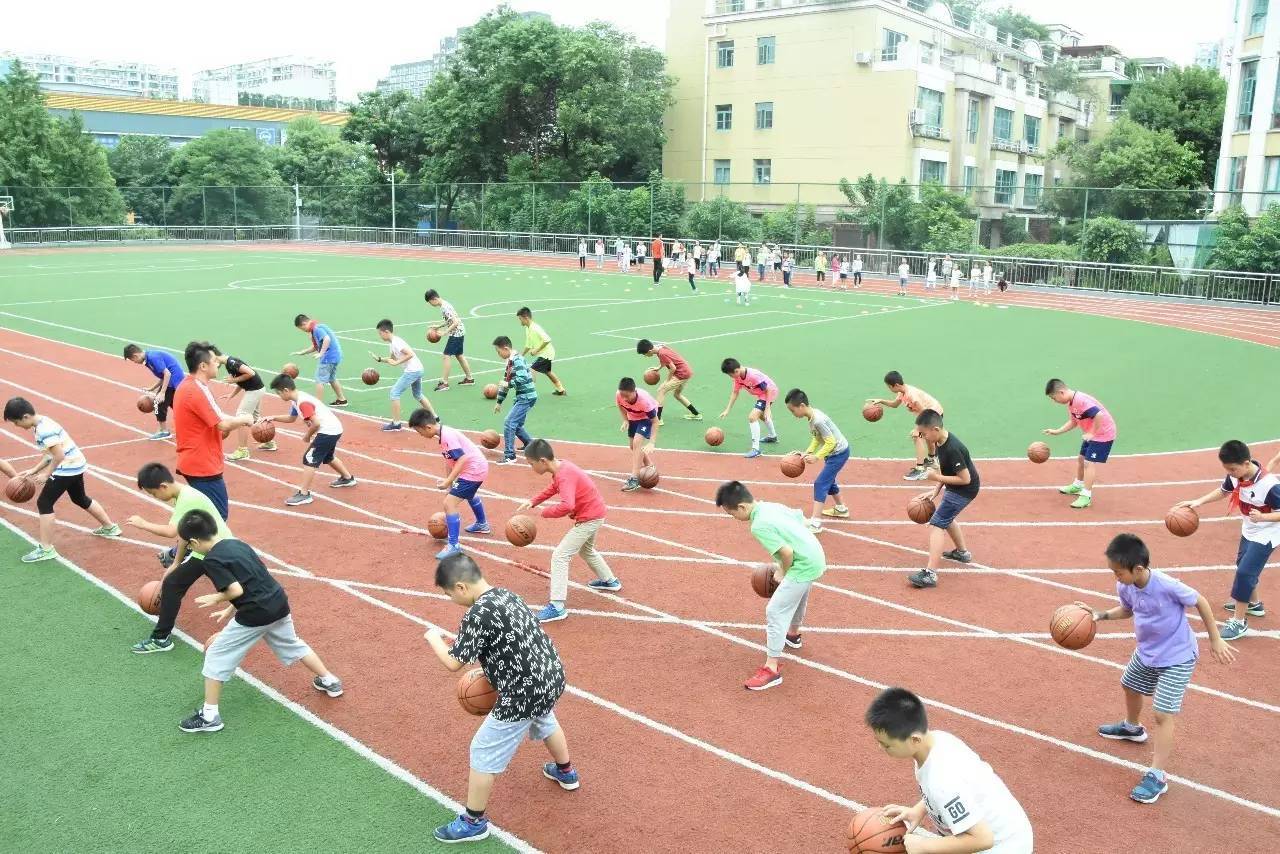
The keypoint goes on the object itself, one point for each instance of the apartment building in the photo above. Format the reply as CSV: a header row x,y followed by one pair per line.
x,y
1249,166
121,79
775,93
281,76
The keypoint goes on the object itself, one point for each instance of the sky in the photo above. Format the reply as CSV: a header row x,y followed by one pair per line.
x,y
365,45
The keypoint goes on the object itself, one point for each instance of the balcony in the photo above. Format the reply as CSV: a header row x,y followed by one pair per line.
x,y
1007,145
930,132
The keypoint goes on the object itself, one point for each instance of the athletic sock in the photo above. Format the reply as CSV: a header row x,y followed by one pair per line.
x,y
755,433
564,767
1079,483
559,604
475,816
693,410
660,408
328,679
1087,493
1159,772
209,713
454,522
773,434
477,507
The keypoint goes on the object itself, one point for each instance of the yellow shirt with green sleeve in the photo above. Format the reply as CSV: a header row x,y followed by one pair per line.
x,y
825,437
190,498
776,525
534,337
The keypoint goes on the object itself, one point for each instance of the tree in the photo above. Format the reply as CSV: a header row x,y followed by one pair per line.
x,y
722,219
1015,23
140,165
391,123
1108,239
227,177
1190,103
339,182
1247,245
785,224
940,222
882,209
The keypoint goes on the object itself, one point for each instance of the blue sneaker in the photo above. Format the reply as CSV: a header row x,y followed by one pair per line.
x,y
550,613
613,584
769,440
463,829
567,779
752,454
391,427
1149,788
448,551
1123,732
479,528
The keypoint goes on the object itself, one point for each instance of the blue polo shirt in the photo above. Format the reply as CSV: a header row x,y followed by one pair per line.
x,y
157,361
333,355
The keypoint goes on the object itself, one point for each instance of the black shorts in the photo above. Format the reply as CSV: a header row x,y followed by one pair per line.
x,y
453,345
162,409
56,486
541,365
321,450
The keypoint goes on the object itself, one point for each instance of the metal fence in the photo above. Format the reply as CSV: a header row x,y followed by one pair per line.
x,y
1194,284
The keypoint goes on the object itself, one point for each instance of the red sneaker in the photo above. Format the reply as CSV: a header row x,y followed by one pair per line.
x,y
764,678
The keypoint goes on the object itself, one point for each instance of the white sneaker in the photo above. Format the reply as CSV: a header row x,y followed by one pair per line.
x,y
815,525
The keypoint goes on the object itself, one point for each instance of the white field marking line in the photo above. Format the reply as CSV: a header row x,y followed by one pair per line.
x,y
606,302
113,297
419,351
197,268
341,736
83,447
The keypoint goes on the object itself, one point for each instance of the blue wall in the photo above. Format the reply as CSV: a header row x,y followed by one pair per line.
x,y
107,128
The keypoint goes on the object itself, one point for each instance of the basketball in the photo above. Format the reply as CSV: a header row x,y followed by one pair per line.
x,y
762,581
920,509
369,376
263,431
149,597
649,477
870,833
433,335
475,694
146,403
1072,627
1038,452
793,464
652,376
490,439
290,370
438,527
1182,521
873,412
491,391
19,490
521,530
714,436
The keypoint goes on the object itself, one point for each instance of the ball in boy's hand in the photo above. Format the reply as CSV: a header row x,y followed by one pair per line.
x,y
1038,452
491,391
19,490
870,833
762,581
873,412
521,530
648,477
369,376
1072,626
475,694
490,439
652,376
149,597
433,335
290,370
793,464
1182,521
438,527
921,508
146,403
263,431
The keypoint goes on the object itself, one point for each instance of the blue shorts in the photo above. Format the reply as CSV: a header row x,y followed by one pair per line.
x,y
326,371
825,484
948,510
1250,559
453,345
465,489
408,379
760,404
643,427
321,451
1096,452
496,742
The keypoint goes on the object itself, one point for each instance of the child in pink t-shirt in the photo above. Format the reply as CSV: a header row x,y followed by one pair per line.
x,y
467,468
640,423
1099,430
764,390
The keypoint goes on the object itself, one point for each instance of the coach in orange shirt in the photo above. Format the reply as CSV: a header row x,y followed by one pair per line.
x,y
656,250
199,427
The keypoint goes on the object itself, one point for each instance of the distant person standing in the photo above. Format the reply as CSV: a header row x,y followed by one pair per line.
x,y
582,253
599,253
658,252
857,271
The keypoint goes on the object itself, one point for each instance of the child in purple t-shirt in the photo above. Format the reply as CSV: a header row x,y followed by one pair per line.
x,y
1162,665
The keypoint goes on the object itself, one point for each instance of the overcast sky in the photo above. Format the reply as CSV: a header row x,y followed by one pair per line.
x,y
365,39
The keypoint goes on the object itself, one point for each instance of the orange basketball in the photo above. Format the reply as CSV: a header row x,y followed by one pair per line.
x,y
1182,521
648,477
521,530
19,490
146,403
714,436
793,464
491,391
438,527
870,833
1072,626
490,439
433,335
369,376
762,581
263,431
920,509
290,370
652,376
475,694
873,412
149,597
1038,452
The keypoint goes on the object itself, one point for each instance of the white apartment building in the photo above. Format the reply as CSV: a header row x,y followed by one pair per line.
x,y
1249,165
281,76
99,77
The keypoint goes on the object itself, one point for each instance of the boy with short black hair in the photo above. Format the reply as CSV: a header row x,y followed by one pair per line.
x,y
261,611
537,343
521,663
916,400
1255,492
1099,429
251,388
411,379
678,375
799,561
764,390
328,354
957,474
168,373
1166,653
828,446
453,345
968,802
466,468
515,376
639,421
66,464
324,430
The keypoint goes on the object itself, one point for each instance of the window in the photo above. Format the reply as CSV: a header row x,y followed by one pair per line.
x,y
1235,179
889,48
970,179
1006,182
1004,125
933,170
1064,128
764,115
735,5
724,116
1258,20
1031,125
1032,187
724,54
763,171
766,50
1275,106
926,53
721,172
972,124
1248,85
1271,182
930,102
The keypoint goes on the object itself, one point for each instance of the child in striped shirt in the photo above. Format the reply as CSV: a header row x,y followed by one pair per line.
x,y
518,377
828,446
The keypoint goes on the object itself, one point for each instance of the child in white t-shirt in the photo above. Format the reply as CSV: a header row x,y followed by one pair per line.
x,y
742,287
931,278
955,283
599,253
844,274
975,279
640,253
962,795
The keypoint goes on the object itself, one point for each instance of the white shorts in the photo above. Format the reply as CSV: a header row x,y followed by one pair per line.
x,y
251,403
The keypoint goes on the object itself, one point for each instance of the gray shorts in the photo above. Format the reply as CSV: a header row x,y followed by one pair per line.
x,y
496,742
232,644
251,403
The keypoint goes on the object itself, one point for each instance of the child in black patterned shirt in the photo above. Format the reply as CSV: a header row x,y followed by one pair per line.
x,y
522,664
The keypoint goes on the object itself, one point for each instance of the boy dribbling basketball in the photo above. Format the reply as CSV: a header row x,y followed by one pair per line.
x,y
828,446
324,431
466,470
640,422
678,375
1099,429
764,390
917,401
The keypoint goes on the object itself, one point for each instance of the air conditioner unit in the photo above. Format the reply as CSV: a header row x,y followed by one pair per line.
x,y
862,57
916,116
